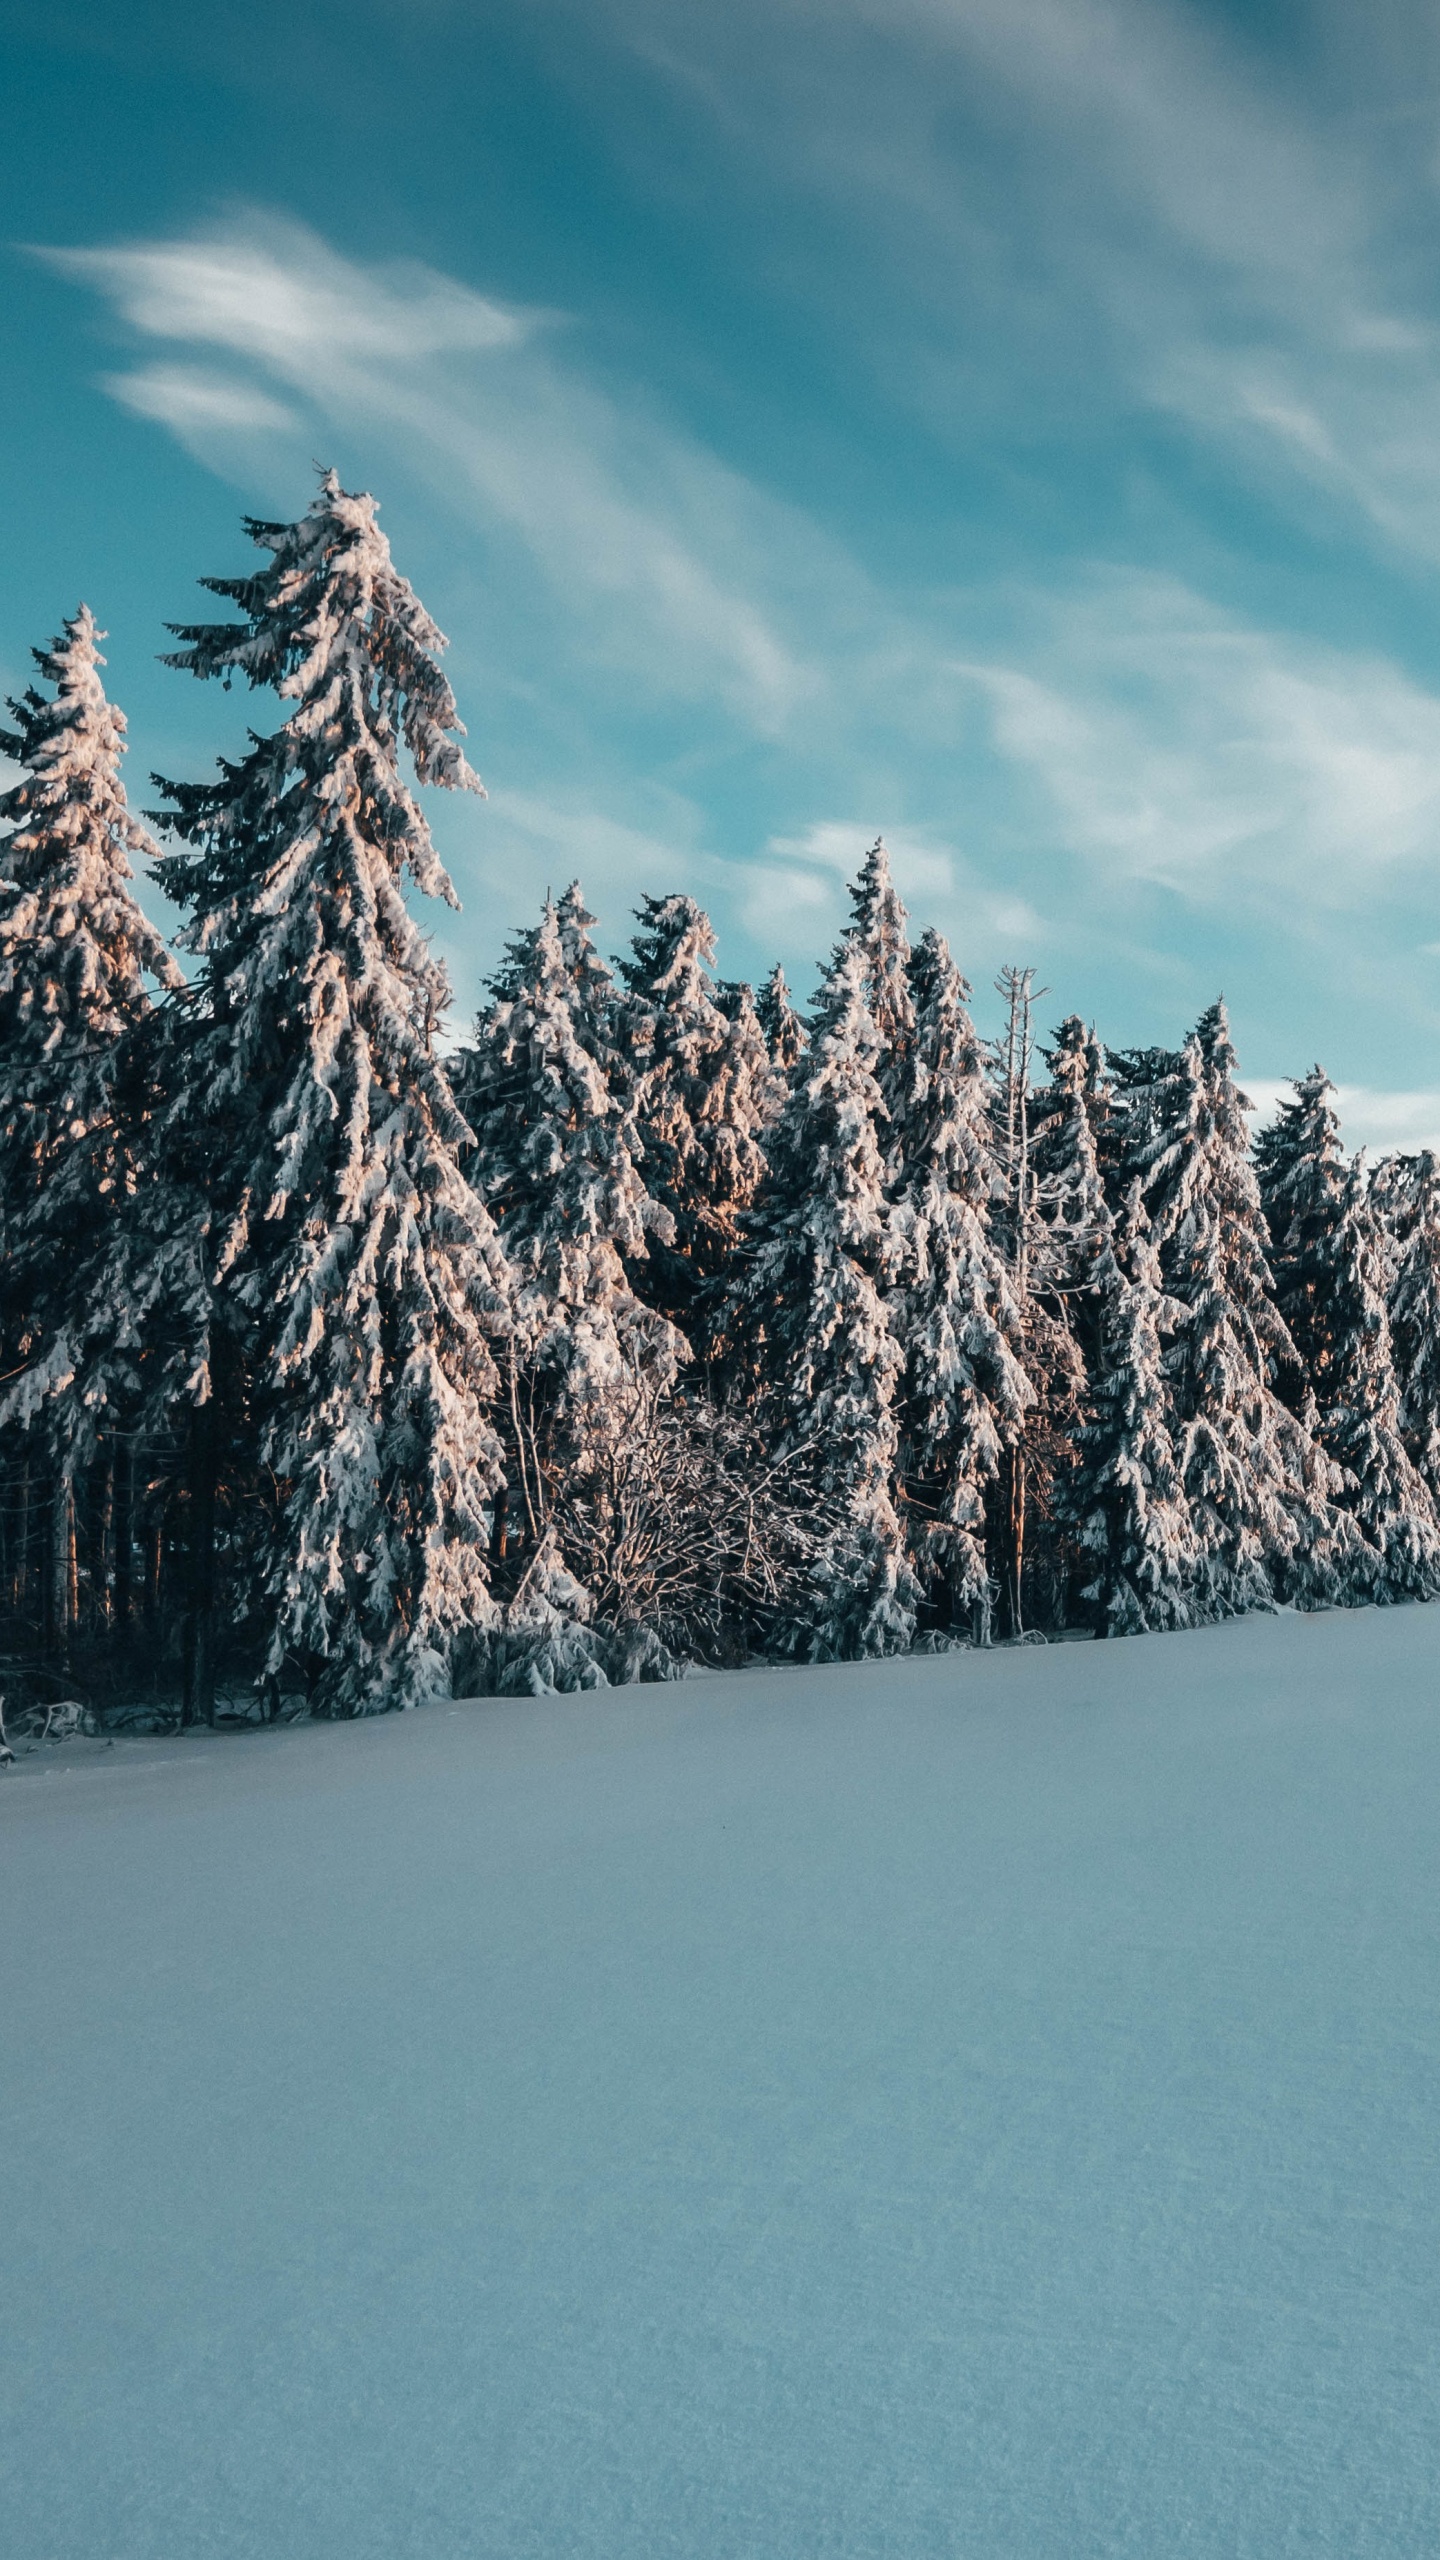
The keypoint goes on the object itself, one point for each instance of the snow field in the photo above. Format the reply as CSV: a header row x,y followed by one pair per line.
x,y
980,2106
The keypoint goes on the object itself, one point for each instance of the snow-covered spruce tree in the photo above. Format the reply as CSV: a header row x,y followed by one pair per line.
x,y
1395,1184
786,1035
965,1391
1073,1136
1258,1487
877,930
557,1159
75,952
1415,1321
596,996
1139,1081
1360,1422
359,1275
1330,1268
812,1310
703,1095
765,1084
1301,1168
1070,1115
1125,1501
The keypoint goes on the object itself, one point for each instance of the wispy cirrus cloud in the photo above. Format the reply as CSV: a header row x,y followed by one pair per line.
x,y
1179,745
661,553
1125,206
1174,741
272,290
1176,237
197,405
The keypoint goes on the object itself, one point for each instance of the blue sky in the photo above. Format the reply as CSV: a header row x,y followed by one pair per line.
x,y
1013,425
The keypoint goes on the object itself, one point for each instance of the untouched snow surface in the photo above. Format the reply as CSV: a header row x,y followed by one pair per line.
x,y
978,2106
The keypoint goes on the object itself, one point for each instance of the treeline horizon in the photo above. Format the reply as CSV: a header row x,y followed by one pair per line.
x,y
657,1323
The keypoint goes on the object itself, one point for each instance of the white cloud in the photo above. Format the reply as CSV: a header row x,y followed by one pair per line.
x,y
1166,110
1180,228
274,291
1138,725
1381,1121
661,554
198,404
1182,746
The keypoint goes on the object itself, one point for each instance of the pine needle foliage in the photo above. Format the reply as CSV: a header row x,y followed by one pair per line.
x,y
363,1281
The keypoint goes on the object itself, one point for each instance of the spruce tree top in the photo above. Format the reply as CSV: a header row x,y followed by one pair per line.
x,y
294,876
75,947
552,1138
785,1033
1299,1157
1302,1170
704,1084
671,971
1070,1118
941,1096
877,929
331,626
1196,1157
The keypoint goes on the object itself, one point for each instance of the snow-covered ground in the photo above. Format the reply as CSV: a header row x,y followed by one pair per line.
x,y
979,2106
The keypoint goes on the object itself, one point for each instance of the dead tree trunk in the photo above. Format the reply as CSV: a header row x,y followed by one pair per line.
x,y
1014,1055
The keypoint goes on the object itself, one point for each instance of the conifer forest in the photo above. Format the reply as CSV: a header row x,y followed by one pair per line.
x,y
655,1321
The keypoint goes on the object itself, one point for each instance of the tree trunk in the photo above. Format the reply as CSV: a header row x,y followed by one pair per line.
x,y
62,1550
22,1548
199,1694
72,1569
125,1539
1015,1540
154,1568
102,1571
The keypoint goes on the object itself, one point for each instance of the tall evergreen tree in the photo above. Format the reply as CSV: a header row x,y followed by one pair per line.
x,y
965,1390
786,1035
813,1307
1395,1186
702,1098
1139,1081
75,952
1415,1322
1360,1418
1301,1168
1126,1500
353,1266
877,930
1259,1490
558,1159
1331,1277
752,1068
1071,1118
1073,1138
